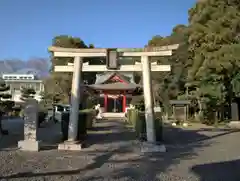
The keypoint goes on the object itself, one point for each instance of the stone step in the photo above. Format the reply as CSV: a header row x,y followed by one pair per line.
x,y
113,115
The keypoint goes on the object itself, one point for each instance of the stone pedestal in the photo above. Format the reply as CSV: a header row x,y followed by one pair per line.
x,y
29,145
234,124
148,147
30,142
234,112
70,145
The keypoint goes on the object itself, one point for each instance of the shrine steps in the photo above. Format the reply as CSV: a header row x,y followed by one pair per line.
x,y
113,115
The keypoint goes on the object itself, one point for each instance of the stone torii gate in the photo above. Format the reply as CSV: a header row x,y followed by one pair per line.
x,y
112,65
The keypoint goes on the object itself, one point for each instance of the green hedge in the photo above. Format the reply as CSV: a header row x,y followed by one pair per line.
x,y
85,118
90,117
137,119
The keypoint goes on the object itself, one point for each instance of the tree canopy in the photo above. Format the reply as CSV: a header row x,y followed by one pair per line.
x,y
214,50
60,83
208,60
168,85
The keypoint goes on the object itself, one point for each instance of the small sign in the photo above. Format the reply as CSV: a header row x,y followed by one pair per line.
x,y
157,109
112,59
180,112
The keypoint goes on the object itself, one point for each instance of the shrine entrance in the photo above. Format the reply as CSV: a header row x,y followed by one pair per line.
x,y
114,90
114,104
113,65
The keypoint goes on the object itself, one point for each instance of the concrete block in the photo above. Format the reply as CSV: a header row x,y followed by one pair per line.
x,y
147,147
234,124
29,145
69,145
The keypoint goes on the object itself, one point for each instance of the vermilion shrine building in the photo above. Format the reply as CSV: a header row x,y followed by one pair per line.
x,y
115,90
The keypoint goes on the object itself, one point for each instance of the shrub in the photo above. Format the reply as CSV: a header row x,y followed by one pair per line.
x,y
21,113
137,119
85,120
140,126
138,102
90,117
16,111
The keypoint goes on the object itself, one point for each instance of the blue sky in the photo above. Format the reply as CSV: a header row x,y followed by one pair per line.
x,y
27,27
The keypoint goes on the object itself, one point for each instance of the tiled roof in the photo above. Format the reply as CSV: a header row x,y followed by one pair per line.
x,y
114,86
101,78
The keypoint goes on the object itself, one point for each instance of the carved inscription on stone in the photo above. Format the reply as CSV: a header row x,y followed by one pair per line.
x,y
112,59
180,113
30,120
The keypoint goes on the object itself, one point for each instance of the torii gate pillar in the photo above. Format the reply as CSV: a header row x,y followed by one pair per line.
x,y
148,99
75,99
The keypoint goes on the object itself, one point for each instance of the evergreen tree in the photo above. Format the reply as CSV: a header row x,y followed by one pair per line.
x,y
6,105
214,46
27,93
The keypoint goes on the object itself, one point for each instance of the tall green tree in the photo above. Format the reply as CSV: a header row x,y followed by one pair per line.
x,y
6,105
60,83
168,85
214,51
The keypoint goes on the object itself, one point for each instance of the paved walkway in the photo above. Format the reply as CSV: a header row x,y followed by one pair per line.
x,y
193,154
110,135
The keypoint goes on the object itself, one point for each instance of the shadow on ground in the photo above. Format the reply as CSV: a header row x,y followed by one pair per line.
x,y
109,131
98,162
218,171
181,144
179,136
49,134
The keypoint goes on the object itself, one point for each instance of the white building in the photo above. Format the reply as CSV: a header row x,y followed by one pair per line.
x,y
19,81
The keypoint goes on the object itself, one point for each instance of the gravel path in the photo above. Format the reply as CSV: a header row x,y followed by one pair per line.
x,y
112,154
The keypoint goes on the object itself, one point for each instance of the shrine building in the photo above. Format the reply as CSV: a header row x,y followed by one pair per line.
x,y
115,90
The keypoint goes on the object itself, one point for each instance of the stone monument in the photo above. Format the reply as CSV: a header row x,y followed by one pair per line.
x,y
234,113
235,122
30,142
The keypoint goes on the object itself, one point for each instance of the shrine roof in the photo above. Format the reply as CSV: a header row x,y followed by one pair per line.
x,y
102,78
114,86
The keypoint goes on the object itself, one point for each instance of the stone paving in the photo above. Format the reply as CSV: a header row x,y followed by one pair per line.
x,y
113,154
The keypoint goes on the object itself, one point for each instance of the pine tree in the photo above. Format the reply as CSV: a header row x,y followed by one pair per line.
x,y
27,93
6,105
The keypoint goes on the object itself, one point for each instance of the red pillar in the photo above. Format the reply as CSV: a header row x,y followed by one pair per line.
x,y
124,101
105,102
